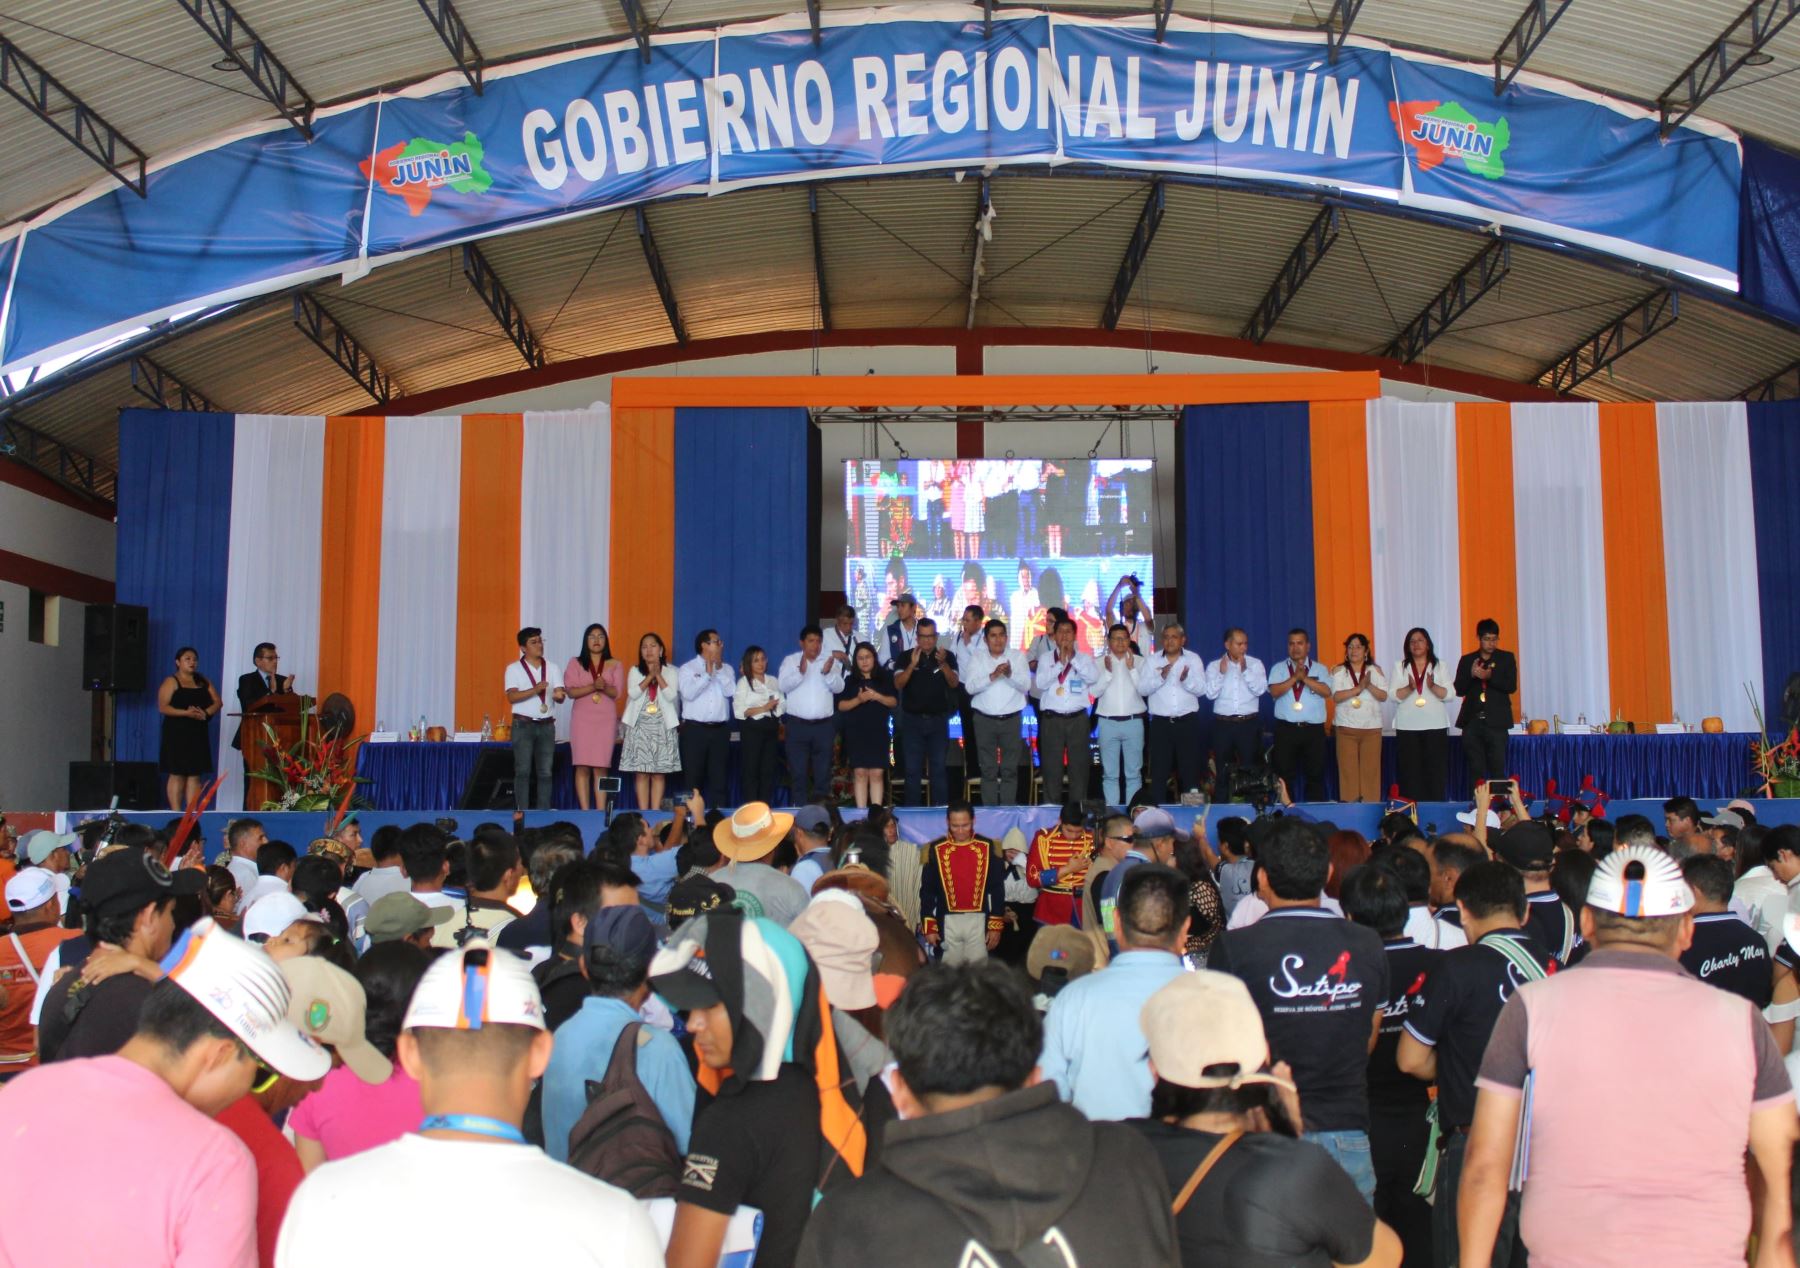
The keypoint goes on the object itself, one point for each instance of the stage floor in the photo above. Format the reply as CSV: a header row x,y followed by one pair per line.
x,y
919,824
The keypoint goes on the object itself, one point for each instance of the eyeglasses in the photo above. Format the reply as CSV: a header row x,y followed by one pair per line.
x,y
1128,837
264,1078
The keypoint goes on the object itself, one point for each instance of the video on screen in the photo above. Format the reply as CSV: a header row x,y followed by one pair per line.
x,y
1016,535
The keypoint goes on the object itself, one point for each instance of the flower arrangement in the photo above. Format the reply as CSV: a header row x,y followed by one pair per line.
x,y
317,773
1777,765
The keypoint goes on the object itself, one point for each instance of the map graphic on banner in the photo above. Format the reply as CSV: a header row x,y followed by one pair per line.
x,y
883,91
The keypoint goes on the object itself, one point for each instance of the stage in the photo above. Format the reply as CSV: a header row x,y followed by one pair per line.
x,y
422,776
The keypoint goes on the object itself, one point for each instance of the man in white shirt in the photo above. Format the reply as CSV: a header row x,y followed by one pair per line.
x,y
243,839
425,853
965,640
475,1040
840,639
1065,678
1172,684
997,681
1024,602
707,687
1235,683
1120,706
387,876
810,681
1299,752
531,694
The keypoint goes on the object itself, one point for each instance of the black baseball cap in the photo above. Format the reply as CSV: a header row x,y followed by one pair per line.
x,y
128,879
1527,846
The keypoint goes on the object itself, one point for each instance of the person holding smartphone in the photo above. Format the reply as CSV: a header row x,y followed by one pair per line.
x,y
1486,679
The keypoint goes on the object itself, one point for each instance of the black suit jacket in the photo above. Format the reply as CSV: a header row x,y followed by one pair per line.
x,y
251,690
1497,712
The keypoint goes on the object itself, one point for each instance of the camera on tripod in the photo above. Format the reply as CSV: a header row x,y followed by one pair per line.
x,y
1257,785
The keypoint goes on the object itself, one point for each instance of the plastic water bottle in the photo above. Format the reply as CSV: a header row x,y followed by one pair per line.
x,y
487,728
420,733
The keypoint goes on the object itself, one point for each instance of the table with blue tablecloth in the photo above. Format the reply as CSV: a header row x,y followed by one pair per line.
x,y
432,776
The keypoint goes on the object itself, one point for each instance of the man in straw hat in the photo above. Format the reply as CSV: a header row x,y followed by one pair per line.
x,y
1628,1159
748,837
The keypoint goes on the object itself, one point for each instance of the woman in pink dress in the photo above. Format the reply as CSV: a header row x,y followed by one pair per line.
x,y
594,681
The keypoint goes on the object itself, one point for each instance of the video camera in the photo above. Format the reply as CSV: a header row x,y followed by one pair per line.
x,y
1256,784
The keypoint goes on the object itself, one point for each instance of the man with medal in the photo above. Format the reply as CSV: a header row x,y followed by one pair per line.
x,y
1299,753
531,694
1486,679
1064,679
1234,684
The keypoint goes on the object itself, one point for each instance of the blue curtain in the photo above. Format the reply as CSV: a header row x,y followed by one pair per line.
x,y
1774,459
174,536
1769,230
1247,545
746,506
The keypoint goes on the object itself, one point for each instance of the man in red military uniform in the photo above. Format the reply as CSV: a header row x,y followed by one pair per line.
x,y
1057,865
963,894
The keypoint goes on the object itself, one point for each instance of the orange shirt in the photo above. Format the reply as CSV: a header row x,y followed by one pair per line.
x,y
18,1038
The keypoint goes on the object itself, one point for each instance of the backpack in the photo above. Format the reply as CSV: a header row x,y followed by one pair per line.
x,y
621,1137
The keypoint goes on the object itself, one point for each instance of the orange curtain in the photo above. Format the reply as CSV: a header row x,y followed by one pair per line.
x,y
350,561
1342,574
1484,523
1637,613
487,563
643,526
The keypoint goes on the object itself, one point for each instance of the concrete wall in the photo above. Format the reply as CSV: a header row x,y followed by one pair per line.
x,y
45,716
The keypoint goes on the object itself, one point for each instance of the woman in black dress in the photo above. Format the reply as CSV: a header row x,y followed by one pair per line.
x,y
186,700
864,706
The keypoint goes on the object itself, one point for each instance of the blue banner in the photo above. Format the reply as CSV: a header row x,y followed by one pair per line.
x,y
882,91
252,216
1570,166
1223,101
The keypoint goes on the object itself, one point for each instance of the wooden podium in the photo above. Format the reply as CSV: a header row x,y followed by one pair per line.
x,y
282,713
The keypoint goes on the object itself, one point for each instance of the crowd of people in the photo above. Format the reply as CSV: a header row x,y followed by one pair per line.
x,y
1259,1041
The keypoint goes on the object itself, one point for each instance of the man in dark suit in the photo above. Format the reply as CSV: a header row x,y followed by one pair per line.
x,y
258,683
1486,679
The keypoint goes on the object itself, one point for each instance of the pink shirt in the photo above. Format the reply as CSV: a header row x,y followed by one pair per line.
x,y
165,1184
347,1116
1644,1079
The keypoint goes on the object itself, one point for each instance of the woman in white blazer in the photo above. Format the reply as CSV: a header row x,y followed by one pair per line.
x,y
1422,686
652,716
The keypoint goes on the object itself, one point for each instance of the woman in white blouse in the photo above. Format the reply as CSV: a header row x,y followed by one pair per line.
x,y
652,715
1422,684
759,705
1358,688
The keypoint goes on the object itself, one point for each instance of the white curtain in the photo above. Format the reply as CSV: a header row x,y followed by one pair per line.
x,y
565,539
1559,526
1412,528
272,578
416,659
1709,553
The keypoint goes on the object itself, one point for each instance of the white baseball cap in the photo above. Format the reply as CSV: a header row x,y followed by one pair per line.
x,y
1658,890
241,986
1467,818
474,986
30,888
269,915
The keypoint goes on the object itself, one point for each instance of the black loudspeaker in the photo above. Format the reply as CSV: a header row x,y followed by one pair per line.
x,y
490,785
115,649
93,785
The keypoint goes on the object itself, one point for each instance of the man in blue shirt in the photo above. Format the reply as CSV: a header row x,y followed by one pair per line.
x,y
1094,1045
616,962
1299,686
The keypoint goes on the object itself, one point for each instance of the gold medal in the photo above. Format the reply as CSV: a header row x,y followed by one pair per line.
x,y
1356,703
1297,706
1418,702
1062,691
652,709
